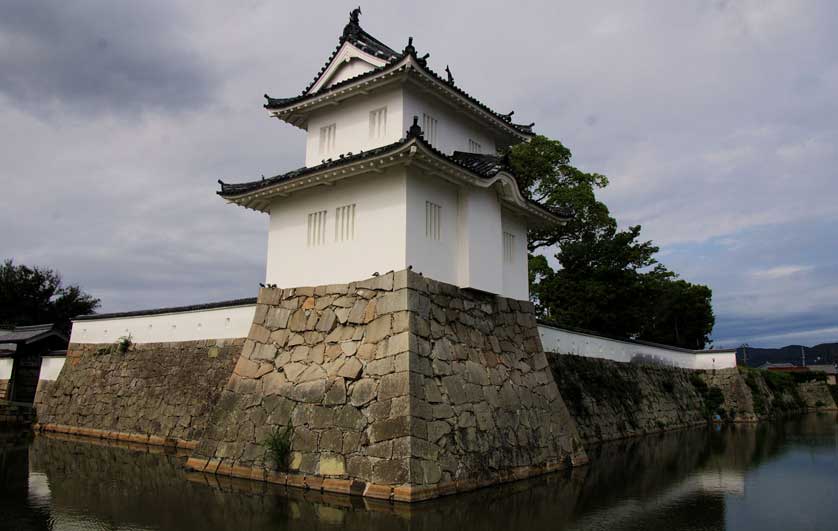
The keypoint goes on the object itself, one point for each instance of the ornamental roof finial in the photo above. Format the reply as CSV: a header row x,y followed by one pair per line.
x,y
409,49
415,131
450,75
354,25
354,15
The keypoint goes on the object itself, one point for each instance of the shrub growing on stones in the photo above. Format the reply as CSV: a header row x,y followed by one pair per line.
x,y
278,443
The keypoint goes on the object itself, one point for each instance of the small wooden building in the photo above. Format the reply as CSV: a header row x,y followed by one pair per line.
x,y
21,350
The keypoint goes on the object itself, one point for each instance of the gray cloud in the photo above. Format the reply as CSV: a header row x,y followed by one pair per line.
x,y
716,124
91,57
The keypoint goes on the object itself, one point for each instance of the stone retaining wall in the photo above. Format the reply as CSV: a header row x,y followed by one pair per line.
x,y
154,391
397,387
611,400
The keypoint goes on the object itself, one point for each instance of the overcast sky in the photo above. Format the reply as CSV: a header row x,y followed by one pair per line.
x,y
716,122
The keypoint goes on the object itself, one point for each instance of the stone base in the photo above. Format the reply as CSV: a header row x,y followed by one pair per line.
x,y
407,386
407,493
139,438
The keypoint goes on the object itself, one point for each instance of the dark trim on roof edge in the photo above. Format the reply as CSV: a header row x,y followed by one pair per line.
x,y
280,104
175,309
231,191
628,340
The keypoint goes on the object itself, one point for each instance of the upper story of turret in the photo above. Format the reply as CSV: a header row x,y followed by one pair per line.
x,y
367,94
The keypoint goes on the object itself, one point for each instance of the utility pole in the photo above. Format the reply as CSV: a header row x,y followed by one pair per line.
x,y
803,355
745,354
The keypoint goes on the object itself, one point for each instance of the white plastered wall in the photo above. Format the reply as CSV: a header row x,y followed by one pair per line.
x,y
564,341
515,272
217,323
51,367
352,125
480,234
436,259
378,244
453,129
6,365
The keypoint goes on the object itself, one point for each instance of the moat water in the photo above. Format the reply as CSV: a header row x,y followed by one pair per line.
x,y
781,475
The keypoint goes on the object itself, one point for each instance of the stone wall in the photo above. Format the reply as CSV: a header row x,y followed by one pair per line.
x,y
396,387
163,390
611,400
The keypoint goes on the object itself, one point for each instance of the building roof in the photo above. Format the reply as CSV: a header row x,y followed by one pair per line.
x,y
394,61
487,168
171,309
30,334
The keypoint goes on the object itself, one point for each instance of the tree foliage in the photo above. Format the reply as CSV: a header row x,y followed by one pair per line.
x,y
34,295
608,280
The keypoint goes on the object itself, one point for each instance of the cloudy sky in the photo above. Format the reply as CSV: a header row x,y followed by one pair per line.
x,y
716,122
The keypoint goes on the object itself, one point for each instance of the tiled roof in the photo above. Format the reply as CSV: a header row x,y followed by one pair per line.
x,y
25,334
363,40
485,166
175,309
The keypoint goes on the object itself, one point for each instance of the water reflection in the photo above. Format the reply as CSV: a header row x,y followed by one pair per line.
x,y
779,475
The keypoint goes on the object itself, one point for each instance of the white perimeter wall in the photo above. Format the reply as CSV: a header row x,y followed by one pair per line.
x,y
216,323
379,243
567,342
6,368
51,367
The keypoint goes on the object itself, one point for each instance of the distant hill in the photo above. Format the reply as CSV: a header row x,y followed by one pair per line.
x,y
819,354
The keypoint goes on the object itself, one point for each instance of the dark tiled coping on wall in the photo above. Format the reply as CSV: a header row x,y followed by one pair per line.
x,y
628,340
175,309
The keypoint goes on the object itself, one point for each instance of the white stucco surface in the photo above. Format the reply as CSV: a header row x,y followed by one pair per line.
x,y
6,368
216,323
515,270
51,367
481,255
379,235
563,341
454,129
352,125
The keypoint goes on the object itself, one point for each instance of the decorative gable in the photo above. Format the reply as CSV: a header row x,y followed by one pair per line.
x,y
347,63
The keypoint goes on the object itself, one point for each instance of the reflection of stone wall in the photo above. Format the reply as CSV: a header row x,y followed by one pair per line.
x,y
4,389
166,390
399,386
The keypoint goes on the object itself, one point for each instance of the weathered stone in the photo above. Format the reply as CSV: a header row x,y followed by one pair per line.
x,y
327,321
310,392
378,329
332,465
398,343
336,393
390,472
393,385
293,371
298,320
304,440
389,429
363,391
379,367
350,369
349,348
350,418
438,429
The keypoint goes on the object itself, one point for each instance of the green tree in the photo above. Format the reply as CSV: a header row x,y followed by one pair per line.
x,y
34,295
608,281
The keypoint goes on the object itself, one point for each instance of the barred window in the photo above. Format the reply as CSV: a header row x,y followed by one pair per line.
x,y
345,223
433,219
316,226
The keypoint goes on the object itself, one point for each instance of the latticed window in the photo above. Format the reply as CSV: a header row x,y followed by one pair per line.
x,y
316,227
474,147
345,223
433,220
327,139
378,123
429,128
508,247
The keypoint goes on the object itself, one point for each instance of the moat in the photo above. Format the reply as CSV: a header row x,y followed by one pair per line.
x,y
772,475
